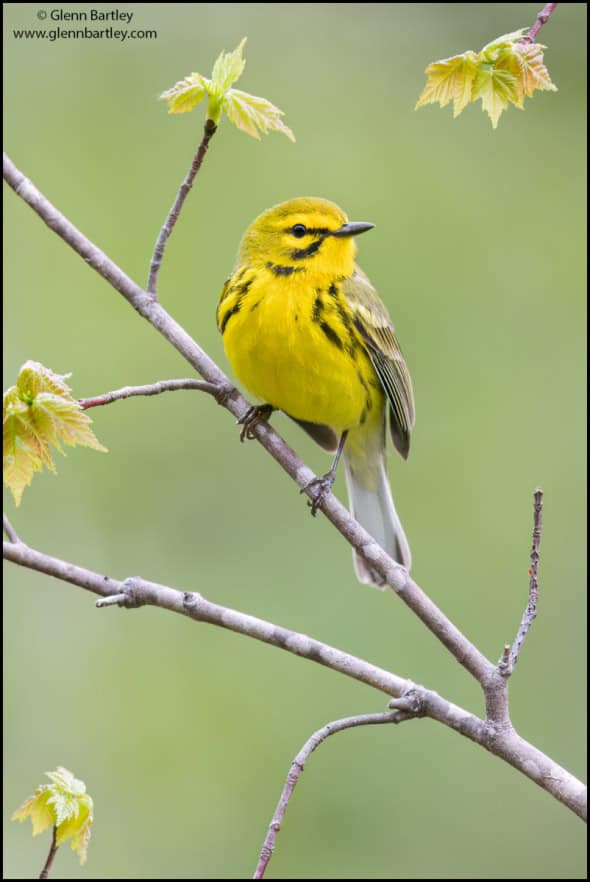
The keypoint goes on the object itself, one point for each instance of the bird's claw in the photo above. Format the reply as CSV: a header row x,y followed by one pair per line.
x,y
322,487
256,414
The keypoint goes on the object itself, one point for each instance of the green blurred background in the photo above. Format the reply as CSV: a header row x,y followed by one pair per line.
x,y
184,733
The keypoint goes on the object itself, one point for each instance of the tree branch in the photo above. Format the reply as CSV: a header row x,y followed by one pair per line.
x,y
298,765
409,698
134,592
155,389
209,130
542,18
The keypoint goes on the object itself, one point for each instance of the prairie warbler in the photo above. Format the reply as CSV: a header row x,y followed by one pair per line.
x,y
306,332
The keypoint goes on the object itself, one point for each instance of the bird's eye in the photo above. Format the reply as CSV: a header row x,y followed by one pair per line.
x,y
299,231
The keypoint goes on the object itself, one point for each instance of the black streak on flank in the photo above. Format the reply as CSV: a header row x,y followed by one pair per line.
x,y
235,309
344,317
241,290
317,306
331,334
255,305
279,270
352,344
244,288
302,253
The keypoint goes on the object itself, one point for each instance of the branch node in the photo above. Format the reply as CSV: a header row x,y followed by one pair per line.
x,y
409,705
128,598
190,599
223,393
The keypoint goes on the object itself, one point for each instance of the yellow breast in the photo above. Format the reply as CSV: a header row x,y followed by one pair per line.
x,y
295,346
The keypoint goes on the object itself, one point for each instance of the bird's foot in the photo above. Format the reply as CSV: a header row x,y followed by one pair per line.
x,y
321,487
254,415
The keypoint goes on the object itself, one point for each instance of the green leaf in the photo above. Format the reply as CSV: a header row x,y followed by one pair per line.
x,y
450,80
488,53
533,73
22,453
186,94
250,113
78,828
496,87
229,67
34,377
506,71
508,62
36,808
63,804
40,411
63,419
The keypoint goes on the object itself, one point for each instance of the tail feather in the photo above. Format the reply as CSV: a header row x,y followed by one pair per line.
x,y
371,503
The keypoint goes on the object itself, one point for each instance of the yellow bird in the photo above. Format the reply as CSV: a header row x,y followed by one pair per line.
x,y
306,333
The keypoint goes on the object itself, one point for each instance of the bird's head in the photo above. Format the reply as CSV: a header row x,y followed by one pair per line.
x,y
306,234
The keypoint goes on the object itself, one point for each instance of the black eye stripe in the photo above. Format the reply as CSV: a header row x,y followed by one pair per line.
x,y
300,230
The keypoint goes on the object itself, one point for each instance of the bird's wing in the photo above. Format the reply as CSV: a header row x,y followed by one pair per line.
x,y
376,329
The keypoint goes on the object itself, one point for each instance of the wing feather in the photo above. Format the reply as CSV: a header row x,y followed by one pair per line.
x,y
378,333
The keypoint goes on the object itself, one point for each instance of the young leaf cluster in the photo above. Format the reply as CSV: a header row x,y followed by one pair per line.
x,y
63,804
37,412
506,71
249,113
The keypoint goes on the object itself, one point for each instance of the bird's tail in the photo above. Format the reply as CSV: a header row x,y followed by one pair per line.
x,y
371,503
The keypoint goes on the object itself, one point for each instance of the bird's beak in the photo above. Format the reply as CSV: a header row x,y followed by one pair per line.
x,y
353,228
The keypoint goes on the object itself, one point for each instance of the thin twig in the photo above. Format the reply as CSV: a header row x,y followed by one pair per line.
x,y
298,765
499,740
9,529
209,130
52,852
151,389
508,661
542,18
